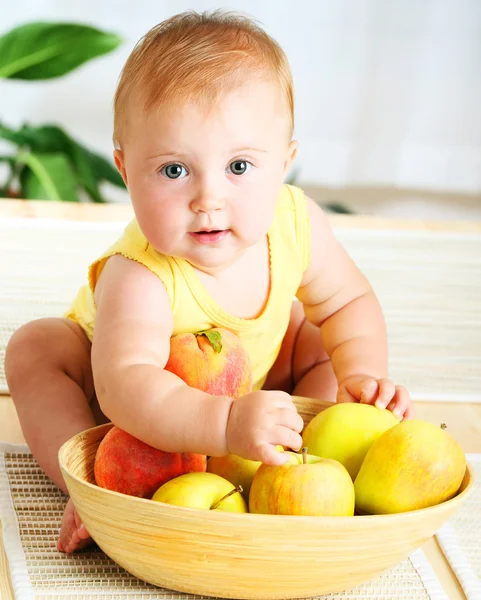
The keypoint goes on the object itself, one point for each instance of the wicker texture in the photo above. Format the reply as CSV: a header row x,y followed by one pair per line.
x,y
428,283
40,572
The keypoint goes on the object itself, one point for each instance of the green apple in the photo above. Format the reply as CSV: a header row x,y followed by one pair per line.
x,y
305,485
202,490
345,432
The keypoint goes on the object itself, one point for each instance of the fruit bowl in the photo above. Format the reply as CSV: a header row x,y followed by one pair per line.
x,y
233,555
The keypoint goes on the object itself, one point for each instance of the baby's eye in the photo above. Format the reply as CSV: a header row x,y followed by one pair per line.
x,y
239,167
174,171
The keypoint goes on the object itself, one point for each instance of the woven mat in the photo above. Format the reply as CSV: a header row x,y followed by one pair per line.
x,y
31,508
428,283
460,539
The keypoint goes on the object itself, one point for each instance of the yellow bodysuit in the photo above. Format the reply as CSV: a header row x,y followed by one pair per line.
x,y
192,307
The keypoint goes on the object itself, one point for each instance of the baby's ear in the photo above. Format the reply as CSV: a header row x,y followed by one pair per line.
x,y
120,164
291,155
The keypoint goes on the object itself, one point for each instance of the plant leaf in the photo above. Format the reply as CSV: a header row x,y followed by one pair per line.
x,y
91,168
41,50
15,137
46,138
337,207
85,171
104,170
47,177
51,138
8,159
214,337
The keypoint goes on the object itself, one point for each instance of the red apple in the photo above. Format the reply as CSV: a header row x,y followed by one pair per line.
x,y
127,465
214,361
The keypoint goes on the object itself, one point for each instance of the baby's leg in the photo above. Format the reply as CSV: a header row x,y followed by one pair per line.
x,y
303,367
49,375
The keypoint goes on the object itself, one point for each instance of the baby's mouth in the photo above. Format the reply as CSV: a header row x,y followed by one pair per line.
x,y
212,236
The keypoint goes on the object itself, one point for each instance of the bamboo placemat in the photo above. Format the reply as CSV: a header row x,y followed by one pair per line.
x,y
428,283
31,508
460,539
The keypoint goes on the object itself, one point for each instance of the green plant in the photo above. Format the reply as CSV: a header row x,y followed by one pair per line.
x,y
46,162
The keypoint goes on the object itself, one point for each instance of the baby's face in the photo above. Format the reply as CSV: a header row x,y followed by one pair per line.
x,y
203,183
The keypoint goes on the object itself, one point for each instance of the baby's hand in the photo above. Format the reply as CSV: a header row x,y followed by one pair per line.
x,y
380,392
259,421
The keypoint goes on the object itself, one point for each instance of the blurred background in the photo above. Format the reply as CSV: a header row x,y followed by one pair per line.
x,y
388,94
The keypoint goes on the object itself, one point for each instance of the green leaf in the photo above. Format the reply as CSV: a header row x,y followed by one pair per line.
x,y
46,138
214,337
15,137
337,207
48,177
45,50
85,171
104,170
91,168
8,159
51,138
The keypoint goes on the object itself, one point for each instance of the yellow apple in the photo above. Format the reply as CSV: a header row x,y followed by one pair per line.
x,y
304,485
237,470
209,491
345,432
413,465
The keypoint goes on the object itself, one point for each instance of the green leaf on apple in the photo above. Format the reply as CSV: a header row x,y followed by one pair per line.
x,y
214,337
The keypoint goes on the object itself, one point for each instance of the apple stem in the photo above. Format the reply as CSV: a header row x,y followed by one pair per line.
x,y
238,488
304,455
443,426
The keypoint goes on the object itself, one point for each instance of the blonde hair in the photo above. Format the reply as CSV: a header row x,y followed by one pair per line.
x,y
199,56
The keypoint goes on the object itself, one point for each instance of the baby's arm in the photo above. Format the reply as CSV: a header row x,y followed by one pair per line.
x,y
130,348
338,298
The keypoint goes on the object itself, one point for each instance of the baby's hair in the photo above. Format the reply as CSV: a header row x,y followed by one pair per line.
x,y
199,56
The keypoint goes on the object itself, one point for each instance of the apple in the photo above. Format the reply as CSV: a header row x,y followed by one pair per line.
x,y
202,490
214,361
127,465
345,432
237,470
411,466
305,485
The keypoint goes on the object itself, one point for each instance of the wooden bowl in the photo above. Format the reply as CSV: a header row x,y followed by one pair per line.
x,y
242,555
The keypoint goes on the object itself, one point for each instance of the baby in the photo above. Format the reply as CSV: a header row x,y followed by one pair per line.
x,y
204,116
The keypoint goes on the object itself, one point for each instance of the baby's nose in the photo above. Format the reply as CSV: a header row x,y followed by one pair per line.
x,y
208,202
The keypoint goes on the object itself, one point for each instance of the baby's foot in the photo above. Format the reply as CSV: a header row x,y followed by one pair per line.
x,y
73,535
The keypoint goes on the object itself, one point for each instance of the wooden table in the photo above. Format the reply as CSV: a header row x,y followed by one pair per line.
x,y
464,418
